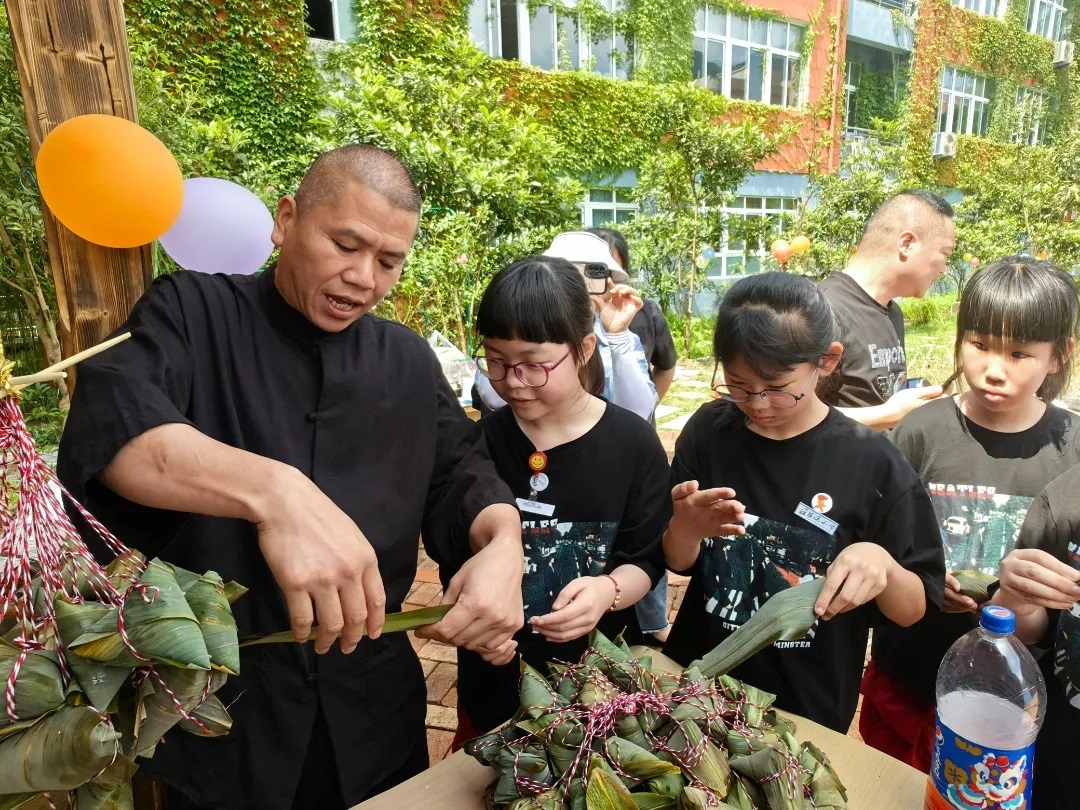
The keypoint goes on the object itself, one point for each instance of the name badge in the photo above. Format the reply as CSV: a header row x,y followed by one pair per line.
x,y
827,525
545,509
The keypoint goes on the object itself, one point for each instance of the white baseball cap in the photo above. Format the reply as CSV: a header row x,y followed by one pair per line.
x,y
581,247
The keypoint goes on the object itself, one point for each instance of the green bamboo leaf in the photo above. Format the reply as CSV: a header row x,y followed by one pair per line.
x,y
17,800
653,801
214,719
637,762
111,789
762,767
66,749
39,687
975,584
395,623
158,710
606,792
206,597
785,616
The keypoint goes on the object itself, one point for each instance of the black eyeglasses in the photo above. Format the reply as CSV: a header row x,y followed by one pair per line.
x,y
773,397
534,375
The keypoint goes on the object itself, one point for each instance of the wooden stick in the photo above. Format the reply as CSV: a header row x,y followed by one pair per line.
x,y
41,376
83,355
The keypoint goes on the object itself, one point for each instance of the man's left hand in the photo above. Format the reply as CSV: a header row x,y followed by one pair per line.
x,y
618,308
486,593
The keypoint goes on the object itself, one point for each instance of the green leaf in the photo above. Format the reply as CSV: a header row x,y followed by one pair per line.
x,y
606,792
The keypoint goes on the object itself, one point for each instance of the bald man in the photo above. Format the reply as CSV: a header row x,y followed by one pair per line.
x,y
270,429
903,250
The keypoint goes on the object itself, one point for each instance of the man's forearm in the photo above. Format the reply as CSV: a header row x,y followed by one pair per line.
x,y
178,468
662,381
878,417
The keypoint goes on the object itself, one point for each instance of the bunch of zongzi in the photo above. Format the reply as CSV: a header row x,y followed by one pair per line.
x,y
609,733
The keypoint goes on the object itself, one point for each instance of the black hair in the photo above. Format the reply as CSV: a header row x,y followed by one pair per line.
x,y
774,321
900,209
372,166
542,299
1020,298
617,242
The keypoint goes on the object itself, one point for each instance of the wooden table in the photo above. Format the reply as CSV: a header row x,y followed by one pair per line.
x,y
874,781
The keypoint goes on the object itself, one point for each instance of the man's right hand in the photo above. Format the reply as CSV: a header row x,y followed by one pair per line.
x,y
323,563
906,400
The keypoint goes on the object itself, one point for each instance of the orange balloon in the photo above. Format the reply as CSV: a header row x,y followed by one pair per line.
x,y
800,244
781,251
109,180
975,262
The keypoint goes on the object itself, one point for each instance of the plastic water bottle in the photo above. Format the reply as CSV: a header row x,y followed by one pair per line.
x,y
990,704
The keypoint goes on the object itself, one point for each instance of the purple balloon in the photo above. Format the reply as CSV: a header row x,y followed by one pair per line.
x,y
222,228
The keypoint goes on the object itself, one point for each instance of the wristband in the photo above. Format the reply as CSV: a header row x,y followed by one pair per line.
x,y
618,592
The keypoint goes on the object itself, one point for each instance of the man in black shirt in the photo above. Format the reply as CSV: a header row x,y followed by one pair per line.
x,y
270,429
903,250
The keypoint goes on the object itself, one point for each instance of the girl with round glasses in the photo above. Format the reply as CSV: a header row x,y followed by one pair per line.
x,y
590,478
774,488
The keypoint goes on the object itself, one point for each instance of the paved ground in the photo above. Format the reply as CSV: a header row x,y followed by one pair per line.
x,y
439,661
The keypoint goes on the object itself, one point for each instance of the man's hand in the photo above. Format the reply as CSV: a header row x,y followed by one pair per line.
x,y
320,558
858,574
1031,579
906,400
486,593
953,601
618,307
577,609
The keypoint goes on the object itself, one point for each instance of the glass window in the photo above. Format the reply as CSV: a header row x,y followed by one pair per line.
x,y
1031,108
601,195
542,38
736,256
508,29
753,61
607,206
1047,18
964,106
623,195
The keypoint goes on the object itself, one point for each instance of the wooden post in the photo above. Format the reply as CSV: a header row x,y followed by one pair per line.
x,y
72,58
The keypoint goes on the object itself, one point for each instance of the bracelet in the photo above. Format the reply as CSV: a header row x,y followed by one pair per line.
x,y
618,592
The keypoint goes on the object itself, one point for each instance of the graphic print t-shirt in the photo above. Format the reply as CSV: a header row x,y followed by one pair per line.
x,y
981,483
606,502
874,365
807,499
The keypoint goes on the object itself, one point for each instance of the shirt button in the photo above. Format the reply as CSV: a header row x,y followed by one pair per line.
x,y
313,416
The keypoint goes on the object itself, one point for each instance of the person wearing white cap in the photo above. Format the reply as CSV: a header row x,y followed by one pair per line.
x,y
626,370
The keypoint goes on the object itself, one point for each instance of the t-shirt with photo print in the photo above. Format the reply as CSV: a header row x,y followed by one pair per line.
x,y
981,483
807,498
605,502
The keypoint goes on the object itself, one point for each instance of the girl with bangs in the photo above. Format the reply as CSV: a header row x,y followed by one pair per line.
x,y
591,480
983,455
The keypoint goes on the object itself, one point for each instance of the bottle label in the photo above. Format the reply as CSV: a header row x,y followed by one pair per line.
x,y
968,776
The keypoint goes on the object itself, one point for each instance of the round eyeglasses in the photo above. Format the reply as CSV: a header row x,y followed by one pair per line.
x,y
773,397
534,375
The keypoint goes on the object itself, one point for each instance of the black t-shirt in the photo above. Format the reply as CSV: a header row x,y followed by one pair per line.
x,y
366,414
981,483
1053,525
652,328
807,498
610,501
874,365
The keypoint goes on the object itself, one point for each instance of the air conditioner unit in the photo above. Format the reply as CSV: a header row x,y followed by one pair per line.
x,y
945,145
1063,53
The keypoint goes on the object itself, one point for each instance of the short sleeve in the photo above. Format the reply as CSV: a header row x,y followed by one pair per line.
x,y
908,530
648,511
463,482
664,356
131,388
908,439
1039,529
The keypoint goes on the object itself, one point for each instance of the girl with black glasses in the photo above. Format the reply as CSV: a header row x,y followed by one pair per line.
x,y
818,495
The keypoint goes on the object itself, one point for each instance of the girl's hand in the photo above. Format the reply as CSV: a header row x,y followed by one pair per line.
x,y
1031,579
503,654
705,513
577,609
618,307
858,574
953,601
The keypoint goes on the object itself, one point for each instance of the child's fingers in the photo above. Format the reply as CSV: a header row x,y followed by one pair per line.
x,y
570,593
952,583
1034,564
834,581
952,601
707,497
683,490
1054,592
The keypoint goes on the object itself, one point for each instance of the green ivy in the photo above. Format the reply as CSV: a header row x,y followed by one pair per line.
x,y
875,99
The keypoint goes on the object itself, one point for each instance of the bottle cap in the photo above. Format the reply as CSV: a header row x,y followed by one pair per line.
x,y
998,619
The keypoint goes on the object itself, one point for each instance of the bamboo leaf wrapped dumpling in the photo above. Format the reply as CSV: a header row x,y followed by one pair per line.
x,y
61,752
39,687
208,601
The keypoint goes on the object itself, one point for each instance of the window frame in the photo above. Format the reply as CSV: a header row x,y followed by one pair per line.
x,y
969,101
983,7
730,254
1058,20
728,41
589,207
1030,133
337,9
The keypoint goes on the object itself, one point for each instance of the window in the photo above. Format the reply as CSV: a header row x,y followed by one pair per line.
x,y
751,223
851,84
965,103
744,58
546,39
991,8
607,206
1047,18
1031,109
330,19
